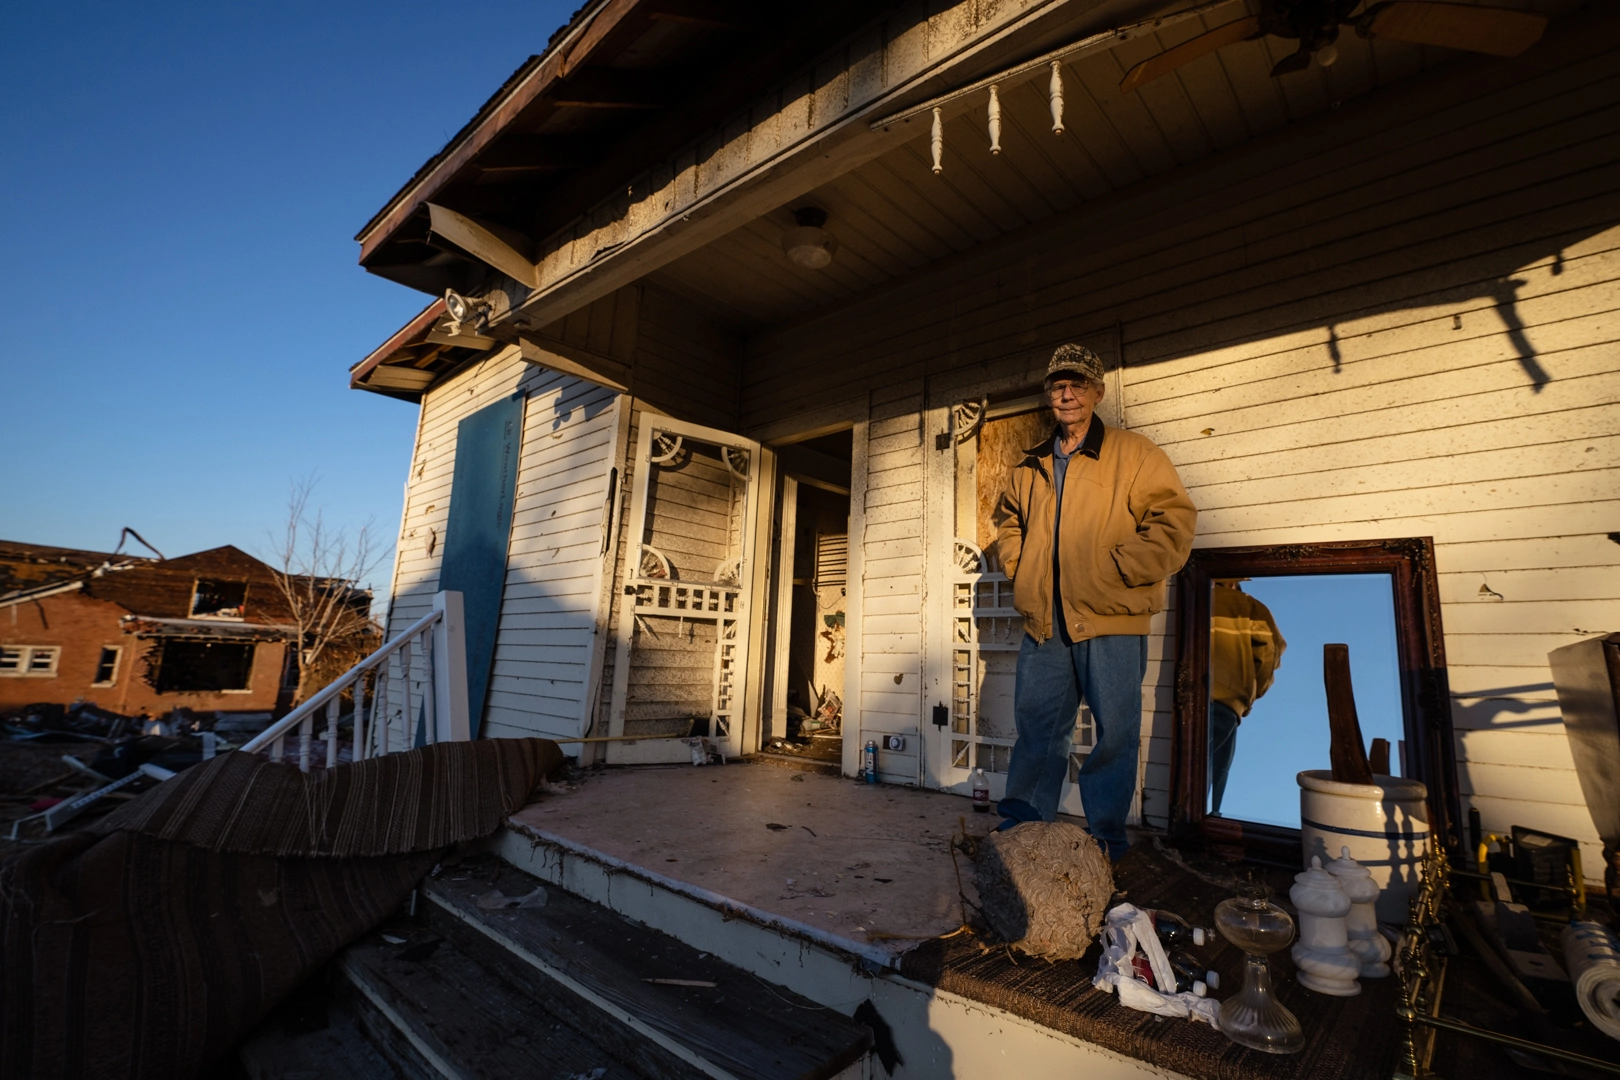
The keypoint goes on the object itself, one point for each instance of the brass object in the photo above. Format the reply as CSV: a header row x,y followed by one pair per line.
x,y
1423,976
1422,979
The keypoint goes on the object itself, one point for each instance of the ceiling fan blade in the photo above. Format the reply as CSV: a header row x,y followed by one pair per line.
x,y
1188,51
1496,31
1294,61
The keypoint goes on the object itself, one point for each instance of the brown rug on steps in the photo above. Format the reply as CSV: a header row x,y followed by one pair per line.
x,y
147,946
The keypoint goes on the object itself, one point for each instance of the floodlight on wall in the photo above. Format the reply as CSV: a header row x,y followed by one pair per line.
x,y
462,310
808,244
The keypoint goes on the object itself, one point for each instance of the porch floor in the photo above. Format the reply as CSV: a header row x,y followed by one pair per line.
x,y
870,864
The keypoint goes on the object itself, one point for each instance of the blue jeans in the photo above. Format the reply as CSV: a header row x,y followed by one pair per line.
x,y
1223,725
1052,679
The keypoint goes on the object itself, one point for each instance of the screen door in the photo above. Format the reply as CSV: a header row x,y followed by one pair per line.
x,y
682,645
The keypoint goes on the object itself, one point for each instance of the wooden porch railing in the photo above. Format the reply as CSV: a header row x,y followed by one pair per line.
x,y
420,673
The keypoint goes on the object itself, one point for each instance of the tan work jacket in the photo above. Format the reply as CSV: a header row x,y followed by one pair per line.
x,y
1245,648
1127,526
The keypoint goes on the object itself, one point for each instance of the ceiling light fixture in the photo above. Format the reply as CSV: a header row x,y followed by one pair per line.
x,y
808,244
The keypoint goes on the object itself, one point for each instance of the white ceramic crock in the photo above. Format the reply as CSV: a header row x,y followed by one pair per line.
x,y
1385,825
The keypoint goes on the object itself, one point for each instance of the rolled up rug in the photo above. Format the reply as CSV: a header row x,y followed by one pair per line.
x,y
148,945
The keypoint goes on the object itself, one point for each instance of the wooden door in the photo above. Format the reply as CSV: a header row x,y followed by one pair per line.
x,y
682,645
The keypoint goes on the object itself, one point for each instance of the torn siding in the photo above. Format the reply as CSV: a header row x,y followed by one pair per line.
x,y
545,646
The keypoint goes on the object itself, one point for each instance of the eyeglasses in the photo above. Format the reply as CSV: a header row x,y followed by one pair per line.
x,y
1058,389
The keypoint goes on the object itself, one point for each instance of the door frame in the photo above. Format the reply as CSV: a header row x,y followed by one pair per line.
x,y
782,630
748,616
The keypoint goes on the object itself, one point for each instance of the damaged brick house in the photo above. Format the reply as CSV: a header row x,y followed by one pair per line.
x,y
206,632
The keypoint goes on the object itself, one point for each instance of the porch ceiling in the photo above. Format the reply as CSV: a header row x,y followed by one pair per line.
x,y
893,215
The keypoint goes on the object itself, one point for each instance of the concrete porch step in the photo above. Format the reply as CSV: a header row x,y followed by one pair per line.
x,y
659,1003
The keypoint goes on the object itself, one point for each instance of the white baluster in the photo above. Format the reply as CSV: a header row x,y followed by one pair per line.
x,y
359,717
430,721
1054,93
277,748
936,142
995,120
306,735
379,707
331,729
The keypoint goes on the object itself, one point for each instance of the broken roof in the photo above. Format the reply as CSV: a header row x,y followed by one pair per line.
x,y
26,566
160,592
623,83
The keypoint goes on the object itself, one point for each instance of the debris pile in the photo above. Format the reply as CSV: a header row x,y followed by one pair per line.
x,y
64,763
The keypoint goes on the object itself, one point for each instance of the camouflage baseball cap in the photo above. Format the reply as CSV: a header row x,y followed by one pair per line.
x,y
1077,360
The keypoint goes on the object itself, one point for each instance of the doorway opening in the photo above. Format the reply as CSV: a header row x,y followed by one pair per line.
x,y
811,613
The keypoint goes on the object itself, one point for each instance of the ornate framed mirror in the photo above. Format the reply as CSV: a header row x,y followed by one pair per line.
x,y
1250,708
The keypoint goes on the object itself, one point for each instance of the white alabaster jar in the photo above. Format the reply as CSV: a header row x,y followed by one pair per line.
x,y
1322,952
1370,947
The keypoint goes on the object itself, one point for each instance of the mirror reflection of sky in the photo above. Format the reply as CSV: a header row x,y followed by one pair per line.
x,y
1287,730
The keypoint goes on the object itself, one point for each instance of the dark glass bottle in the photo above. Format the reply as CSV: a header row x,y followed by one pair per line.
x,y
1176,932
1190,971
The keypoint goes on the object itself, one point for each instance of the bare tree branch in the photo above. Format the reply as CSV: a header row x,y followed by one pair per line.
x,y
318,572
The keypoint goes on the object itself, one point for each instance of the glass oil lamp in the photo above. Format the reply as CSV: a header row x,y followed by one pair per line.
x,y
1254,1017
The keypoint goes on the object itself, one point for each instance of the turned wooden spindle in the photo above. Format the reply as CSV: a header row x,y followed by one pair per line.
x,y
1347,752
1378,757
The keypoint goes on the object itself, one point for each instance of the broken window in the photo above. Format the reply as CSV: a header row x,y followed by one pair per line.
x,y
203,666
107,666
219,599
36,660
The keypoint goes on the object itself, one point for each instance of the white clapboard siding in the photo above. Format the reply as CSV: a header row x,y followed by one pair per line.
x,y
546,638
891,566
1400,319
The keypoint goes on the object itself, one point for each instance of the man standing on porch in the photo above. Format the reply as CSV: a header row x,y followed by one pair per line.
x,y
1092,523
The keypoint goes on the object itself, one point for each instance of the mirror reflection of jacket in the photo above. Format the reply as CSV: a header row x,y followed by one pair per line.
x,y
1127,526
1245,648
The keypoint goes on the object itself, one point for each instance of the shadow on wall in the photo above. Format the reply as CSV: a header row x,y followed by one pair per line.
x,y
1505,292
591,407
1484,709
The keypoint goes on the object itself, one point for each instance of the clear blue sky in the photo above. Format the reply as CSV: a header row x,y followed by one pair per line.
x,y
179,189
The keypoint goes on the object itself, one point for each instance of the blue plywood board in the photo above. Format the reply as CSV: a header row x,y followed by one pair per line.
x,y
488,444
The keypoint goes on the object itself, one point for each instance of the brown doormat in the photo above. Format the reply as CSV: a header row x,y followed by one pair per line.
x,y
1346,1038
147,946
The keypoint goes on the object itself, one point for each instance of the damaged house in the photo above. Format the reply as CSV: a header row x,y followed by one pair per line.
x,y
204,632
738,322
746,327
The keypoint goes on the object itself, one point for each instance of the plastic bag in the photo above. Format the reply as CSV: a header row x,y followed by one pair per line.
x,y
1127,931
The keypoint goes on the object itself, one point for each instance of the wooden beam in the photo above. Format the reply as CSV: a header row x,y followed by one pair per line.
x,y
814,468
389,377
612,88
714,13
608,28
527,151
460,341
572,360
481,243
